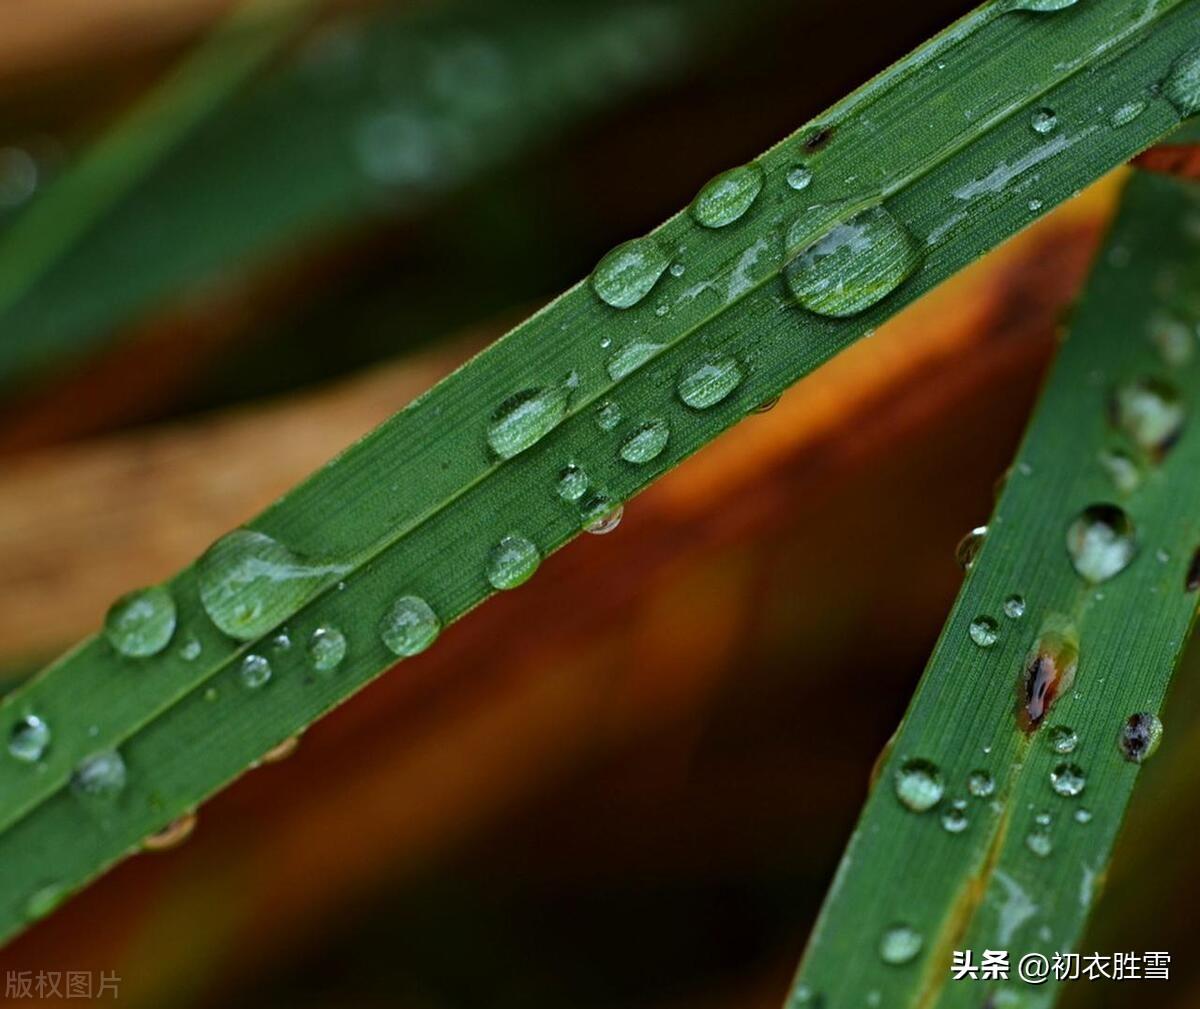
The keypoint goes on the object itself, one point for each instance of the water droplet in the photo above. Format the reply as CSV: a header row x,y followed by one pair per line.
x,y
572,482
1068,779
1083,815
281,750
1043,121
1035,205
525,418
326,648
172,835
919,785
1127,113
1182,86
1150,413
629,272
282,642
140,623
512,562
678,270
727,197
631,357
1063,739
1173,338
1038,841
803,997
1039,6
1101,542
954,819
646,441
1121,469
1140,736
969,546
190,650
856,265
981,784
250,583
1014,607
44,900
409,626
254,671
1049,671
900,944
767,405
608,415
708,381
29,739
984,631
600,515
799,177
100,776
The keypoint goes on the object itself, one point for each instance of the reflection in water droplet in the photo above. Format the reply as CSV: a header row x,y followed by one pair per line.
x,y
599,514
100,776
1127,113
984,631
409,626
172,835
766,406
512,562
629,272
799,177
1121,469
900,944
954,819
1140,736
1043,121
1101,542
1014,607
572,482
326,649
1063,739
29,739
1049,671
981,784
281,750
525,418
727,197
969,546
707,382
254,671
141,623
1150,412
919,785
1182,85
1068,779
646,441
632,356
856,265
608,415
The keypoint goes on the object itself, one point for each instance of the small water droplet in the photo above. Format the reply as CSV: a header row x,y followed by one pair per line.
x,y
1182,85
803,997
141,623
211,694
630,357
1049,671
1121,469
1035,205
984,631
900,944
727,197
678,269
326,648
512,562
629,272
172,835
29,739
981,784
1043,121
1127,113
281,750
1140,736
919,785
254,671
710,380
954,819
100,776
969,546
608,415
799,177
525,418
1014,607
1039,6
1150,412
1068,779
767,405
282,642
409,626
1039,842
645,442
1063,739
1083,815
572,482
1101,542
190,650
856,265
599,514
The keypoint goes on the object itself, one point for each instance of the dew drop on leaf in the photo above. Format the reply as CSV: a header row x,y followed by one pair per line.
x,y
1101,542
409,626
525,418
900,944
984,631
172,835
981,784
955,819
727,197
1043,121
1039,6
1182,85
255,671
799,177
572,482
1049,671
1063,739
1127,113
100,776
630,357
29,739
608,415
1068,779
326,648
1150,412
1014,607
969,546
599,514
512,562
919,785
707,382
1124,473
281,750
629,272
645,442
141,623
1140,735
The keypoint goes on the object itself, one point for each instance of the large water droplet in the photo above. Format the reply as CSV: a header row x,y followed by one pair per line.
x,y
1049,671
1182,85
525,418
326,649
409,626
250,583
969,546
255,671
1101,542
100,776
172,835
630,357
1014,607
572,482
629,272
1140,736
1043,121
1151,413
141,623
900,944
727,197
919,785
984,631
599,514
512,562
856,265
1063,739
1068,779
646,441
981,784
708,381
799,177
29,739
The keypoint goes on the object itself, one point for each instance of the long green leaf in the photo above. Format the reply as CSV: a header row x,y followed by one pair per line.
x,y
1018,869
936,160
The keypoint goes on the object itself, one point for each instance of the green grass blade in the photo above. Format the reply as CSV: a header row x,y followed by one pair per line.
x,y
930,164
1007,881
